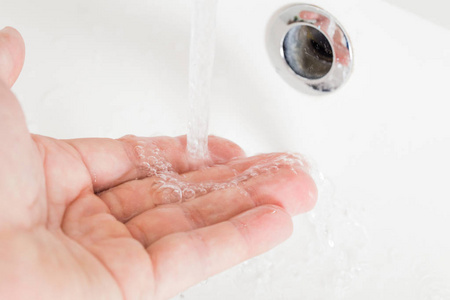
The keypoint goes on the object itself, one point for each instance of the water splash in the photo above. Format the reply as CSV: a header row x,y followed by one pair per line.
x,y
338,238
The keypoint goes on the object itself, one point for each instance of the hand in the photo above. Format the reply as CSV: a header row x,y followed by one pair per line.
x,y
102,219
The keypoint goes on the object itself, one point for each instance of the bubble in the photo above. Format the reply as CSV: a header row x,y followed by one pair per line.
x,y
173,180
233,183
202,191
139,150
188,193
215,187
273,169
163,177
145,166
169,194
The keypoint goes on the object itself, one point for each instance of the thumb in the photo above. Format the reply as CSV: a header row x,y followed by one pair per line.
x,y
12,55
20,164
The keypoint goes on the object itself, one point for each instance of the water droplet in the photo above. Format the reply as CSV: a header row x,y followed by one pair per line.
x,y
188,194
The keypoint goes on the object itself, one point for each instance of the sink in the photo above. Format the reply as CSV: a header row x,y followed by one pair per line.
x,y
109,68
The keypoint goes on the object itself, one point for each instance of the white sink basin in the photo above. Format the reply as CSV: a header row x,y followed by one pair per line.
x,y
109,68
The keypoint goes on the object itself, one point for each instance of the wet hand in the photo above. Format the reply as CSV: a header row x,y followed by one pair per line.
x,y
130,218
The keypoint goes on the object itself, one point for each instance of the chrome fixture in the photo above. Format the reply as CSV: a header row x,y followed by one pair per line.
x,y
309,48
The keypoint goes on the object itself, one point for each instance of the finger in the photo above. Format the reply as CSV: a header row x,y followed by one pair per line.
x,y
12,55
111,162
21,169
254,164
183,259
132,198
118,258
225,172
293,190
135,197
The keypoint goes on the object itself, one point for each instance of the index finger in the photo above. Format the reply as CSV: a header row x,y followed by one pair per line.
x,y
111,162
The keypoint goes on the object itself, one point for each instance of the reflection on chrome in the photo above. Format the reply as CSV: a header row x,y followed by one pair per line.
x,y
309,48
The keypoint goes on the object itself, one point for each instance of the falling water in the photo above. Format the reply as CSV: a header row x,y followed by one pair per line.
x,y
200,74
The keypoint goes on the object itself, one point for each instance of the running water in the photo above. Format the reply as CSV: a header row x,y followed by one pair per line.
x,y
200,74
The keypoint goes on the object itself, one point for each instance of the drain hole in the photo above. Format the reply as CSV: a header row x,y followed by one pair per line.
x,y
308,52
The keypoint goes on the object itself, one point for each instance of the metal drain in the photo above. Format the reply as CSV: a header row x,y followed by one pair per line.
x,y
309,48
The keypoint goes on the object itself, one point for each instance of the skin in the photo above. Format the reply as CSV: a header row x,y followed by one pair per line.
x,y
79,218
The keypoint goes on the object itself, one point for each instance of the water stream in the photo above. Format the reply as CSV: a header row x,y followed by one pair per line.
x,y
200,74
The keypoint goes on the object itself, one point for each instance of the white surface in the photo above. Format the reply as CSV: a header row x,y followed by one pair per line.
x,y
436,11
108,68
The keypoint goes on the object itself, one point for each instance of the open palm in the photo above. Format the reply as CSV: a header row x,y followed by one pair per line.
x,y
92,217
